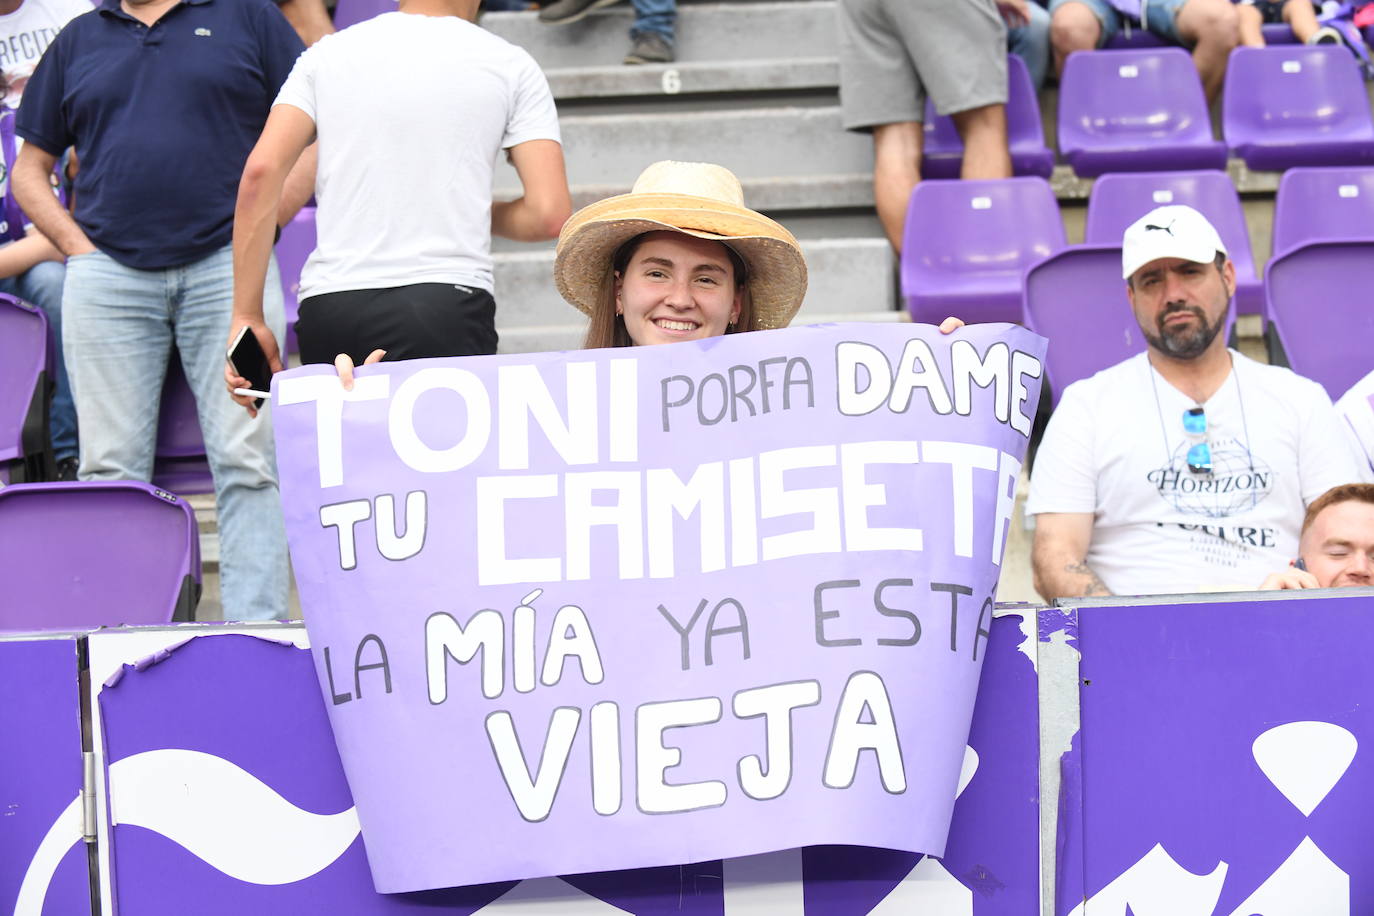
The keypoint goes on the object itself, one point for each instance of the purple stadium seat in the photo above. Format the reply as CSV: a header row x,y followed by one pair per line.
x,y
967,243
1077,300
25,353
1133,38
944,149
296,242
348,12
1299,105
1319,309
97,553
1278,33
180,464
1120,199
1321,204
1274,34
1135,111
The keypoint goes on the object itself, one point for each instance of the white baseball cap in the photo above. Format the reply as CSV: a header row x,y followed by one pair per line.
x,y
1175,231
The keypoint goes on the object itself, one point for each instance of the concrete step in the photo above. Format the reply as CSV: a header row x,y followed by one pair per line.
x,y
729,32
847,276
778,197
795,157
692,78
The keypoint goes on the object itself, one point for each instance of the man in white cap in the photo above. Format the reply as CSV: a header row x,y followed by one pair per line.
x,y
1186,467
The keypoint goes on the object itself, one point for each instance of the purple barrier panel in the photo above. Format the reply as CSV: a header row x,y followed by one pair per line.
x,y
228,797
42,859
808,522
991,865
1221,760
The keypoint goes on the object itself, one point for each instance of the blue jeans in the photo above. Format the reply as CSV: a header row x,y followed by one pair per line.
x,y
655,16
1031,43
41,285
121,325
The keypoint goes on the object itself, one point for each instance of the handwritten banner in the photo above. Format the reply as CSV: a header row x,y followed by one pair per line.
x,y
610,609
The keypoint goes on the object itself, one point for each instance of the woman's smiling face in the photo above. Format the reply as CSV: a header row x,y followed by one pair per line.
x,y
677,287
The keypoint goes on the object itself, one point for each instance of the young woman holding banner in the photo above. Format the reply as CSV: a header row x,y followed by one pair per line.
x,y
678,258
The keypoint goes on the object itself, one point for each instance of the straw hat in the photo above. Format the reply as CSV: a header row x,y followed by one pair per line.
x,y
696,198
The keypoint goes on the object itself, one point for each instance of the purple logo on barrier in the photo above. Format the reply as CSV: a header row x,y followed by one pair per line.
x,y
1223,760
585,611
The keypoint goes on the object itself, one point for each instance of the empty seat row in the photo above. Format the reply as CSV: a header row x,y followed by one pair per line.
x,y
1282,107
1144,110
968,243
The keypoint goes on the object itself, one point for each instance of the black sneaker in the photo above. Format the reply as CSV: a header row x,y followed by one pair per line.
x,y
66,470
1326,36
561,12
650,48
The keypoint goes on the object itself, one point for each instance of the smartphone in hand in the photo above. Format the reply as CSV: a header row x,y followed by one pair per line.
x,y
246,359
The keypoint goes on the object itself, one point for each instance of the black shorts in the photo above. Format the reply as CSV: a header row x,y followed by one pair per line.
x,y
408,322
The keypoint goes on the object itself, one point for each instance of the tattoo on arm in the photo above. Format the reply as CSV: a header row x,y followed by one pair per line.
x,y
1093,585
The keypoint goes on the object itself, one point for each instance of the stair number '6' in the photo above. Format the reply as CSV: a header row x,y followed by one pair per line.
x,y
672,82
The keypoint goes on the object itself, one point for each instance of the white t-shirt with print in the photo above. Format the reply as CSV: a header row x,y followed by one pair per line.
x,y
1356,408
1116,447
26,33
411,112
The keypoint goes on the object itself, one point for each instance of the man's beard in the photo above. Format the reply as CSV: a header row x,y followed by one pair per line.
x,y
1186,341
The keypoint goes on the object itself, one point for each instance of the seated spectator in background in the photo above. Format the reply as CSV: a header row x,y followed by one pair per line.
x,y
653,35
163,118
30,267
1187,467
1356,408
1300,16
405,218
893,53
1209,27
1337,545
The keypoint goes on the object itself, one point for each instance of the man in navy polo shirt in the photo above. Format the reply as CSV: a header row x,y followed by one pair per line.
x,y
162,99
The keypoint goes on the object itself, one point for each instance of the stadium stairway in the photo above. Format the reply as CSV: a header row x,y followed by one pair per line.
x,y
755,88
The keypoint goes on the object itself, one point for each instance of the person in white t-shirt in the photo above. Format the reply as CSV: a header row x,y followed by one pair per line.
x,y
1187,467
411,110
1356,408
27,27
